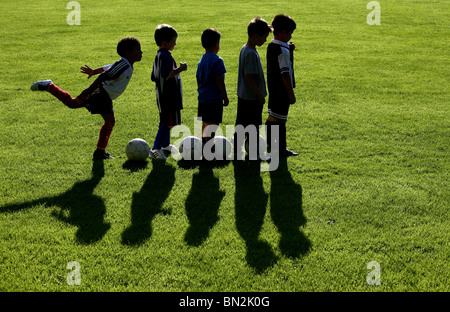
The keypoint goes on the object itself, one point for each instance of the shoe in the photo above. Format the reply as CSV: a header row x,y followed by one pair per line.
x,y
157,154
40,85
169,150
288,153
100,154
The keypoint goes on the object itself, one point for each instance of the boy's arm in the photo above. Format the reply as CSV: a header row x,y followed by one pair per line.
x,y
287,82
178,70
250,79
221,85
91,72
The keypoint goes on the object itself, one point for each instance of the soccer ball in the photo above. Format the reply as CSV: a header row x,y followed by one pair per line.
x,y
222,147
262,145
191,148
137,150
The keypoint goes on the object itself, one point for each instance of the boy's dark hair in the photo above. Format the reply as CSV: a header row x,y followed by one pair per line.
x,y
258,26
283,22
126,44
210,37
165,33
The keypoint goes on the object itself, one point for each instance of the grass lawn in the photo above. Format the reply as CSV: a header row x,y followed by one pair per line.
x,y
371,183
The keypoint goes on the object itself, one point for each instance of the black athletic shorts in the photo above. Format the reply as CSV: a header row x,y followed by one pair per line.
x,y
99,102
211,112
278,109
249,113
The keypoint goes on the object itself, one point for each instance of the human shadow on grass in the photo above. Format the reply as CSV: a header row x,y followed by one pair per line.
x,y
286,212
147,203
78,206
202,205
250,209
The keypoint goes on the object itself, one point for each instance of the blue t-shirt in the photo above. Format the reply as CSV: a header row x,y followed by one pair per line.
x,y
210,66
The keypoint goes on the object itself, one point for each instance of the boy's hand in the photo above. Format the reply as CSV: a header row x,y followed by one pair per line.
x,y
291,46
87,70
178,70
226,101
183,66
261,99
292,99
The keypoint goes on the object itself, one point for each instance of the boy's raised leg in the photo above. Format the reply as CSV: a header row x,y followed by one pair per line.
x,y
63,96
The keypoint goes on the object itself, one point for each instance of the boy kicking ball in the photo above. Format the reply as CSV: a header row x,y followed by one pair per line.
x,y
97,98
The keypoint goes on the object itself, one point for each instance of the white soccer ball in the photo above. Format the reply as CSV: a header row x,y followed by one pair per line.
x,y
252,145
222,147
137,150
191,148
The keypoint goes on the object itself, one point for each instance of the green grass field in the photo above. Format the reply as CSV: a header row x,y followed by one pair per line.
x,y
371,124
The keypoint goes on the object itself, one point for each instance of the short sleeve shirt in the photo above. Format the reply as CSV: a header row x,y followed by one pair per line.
x,y
250,64
279,61
169,94
116,77
210,66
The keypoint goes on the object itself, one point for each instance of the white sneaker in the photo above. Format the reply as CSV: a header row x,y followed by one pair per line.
x,y
170,150
157,154
40,85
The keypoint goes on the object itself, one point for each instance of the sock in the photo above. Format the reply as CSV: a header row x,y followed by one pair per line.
x,y
162,137
282,136
103,138
269,132
166,138
64,96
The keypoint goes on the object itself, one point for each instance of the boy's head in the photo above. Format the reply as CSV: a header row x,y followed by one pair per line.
x,y
258,30
127,44
283,24
211,39
258,26
130,48
166,36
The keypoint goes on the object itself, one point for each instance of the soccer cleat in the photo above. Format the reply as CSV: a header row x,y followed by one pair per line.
x,y
100,154
157,154
40,85
168,150
288,153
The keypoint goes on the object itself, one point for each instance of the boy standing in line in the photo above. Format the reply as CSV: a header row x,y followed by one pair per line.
x,y
108,86
251,85
212,93
169,96
280,79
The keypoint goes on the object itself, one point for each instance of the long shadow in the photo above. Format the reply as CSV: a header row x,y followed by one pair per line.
x,y
78,206
202,205
250,206
147,203
286,212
